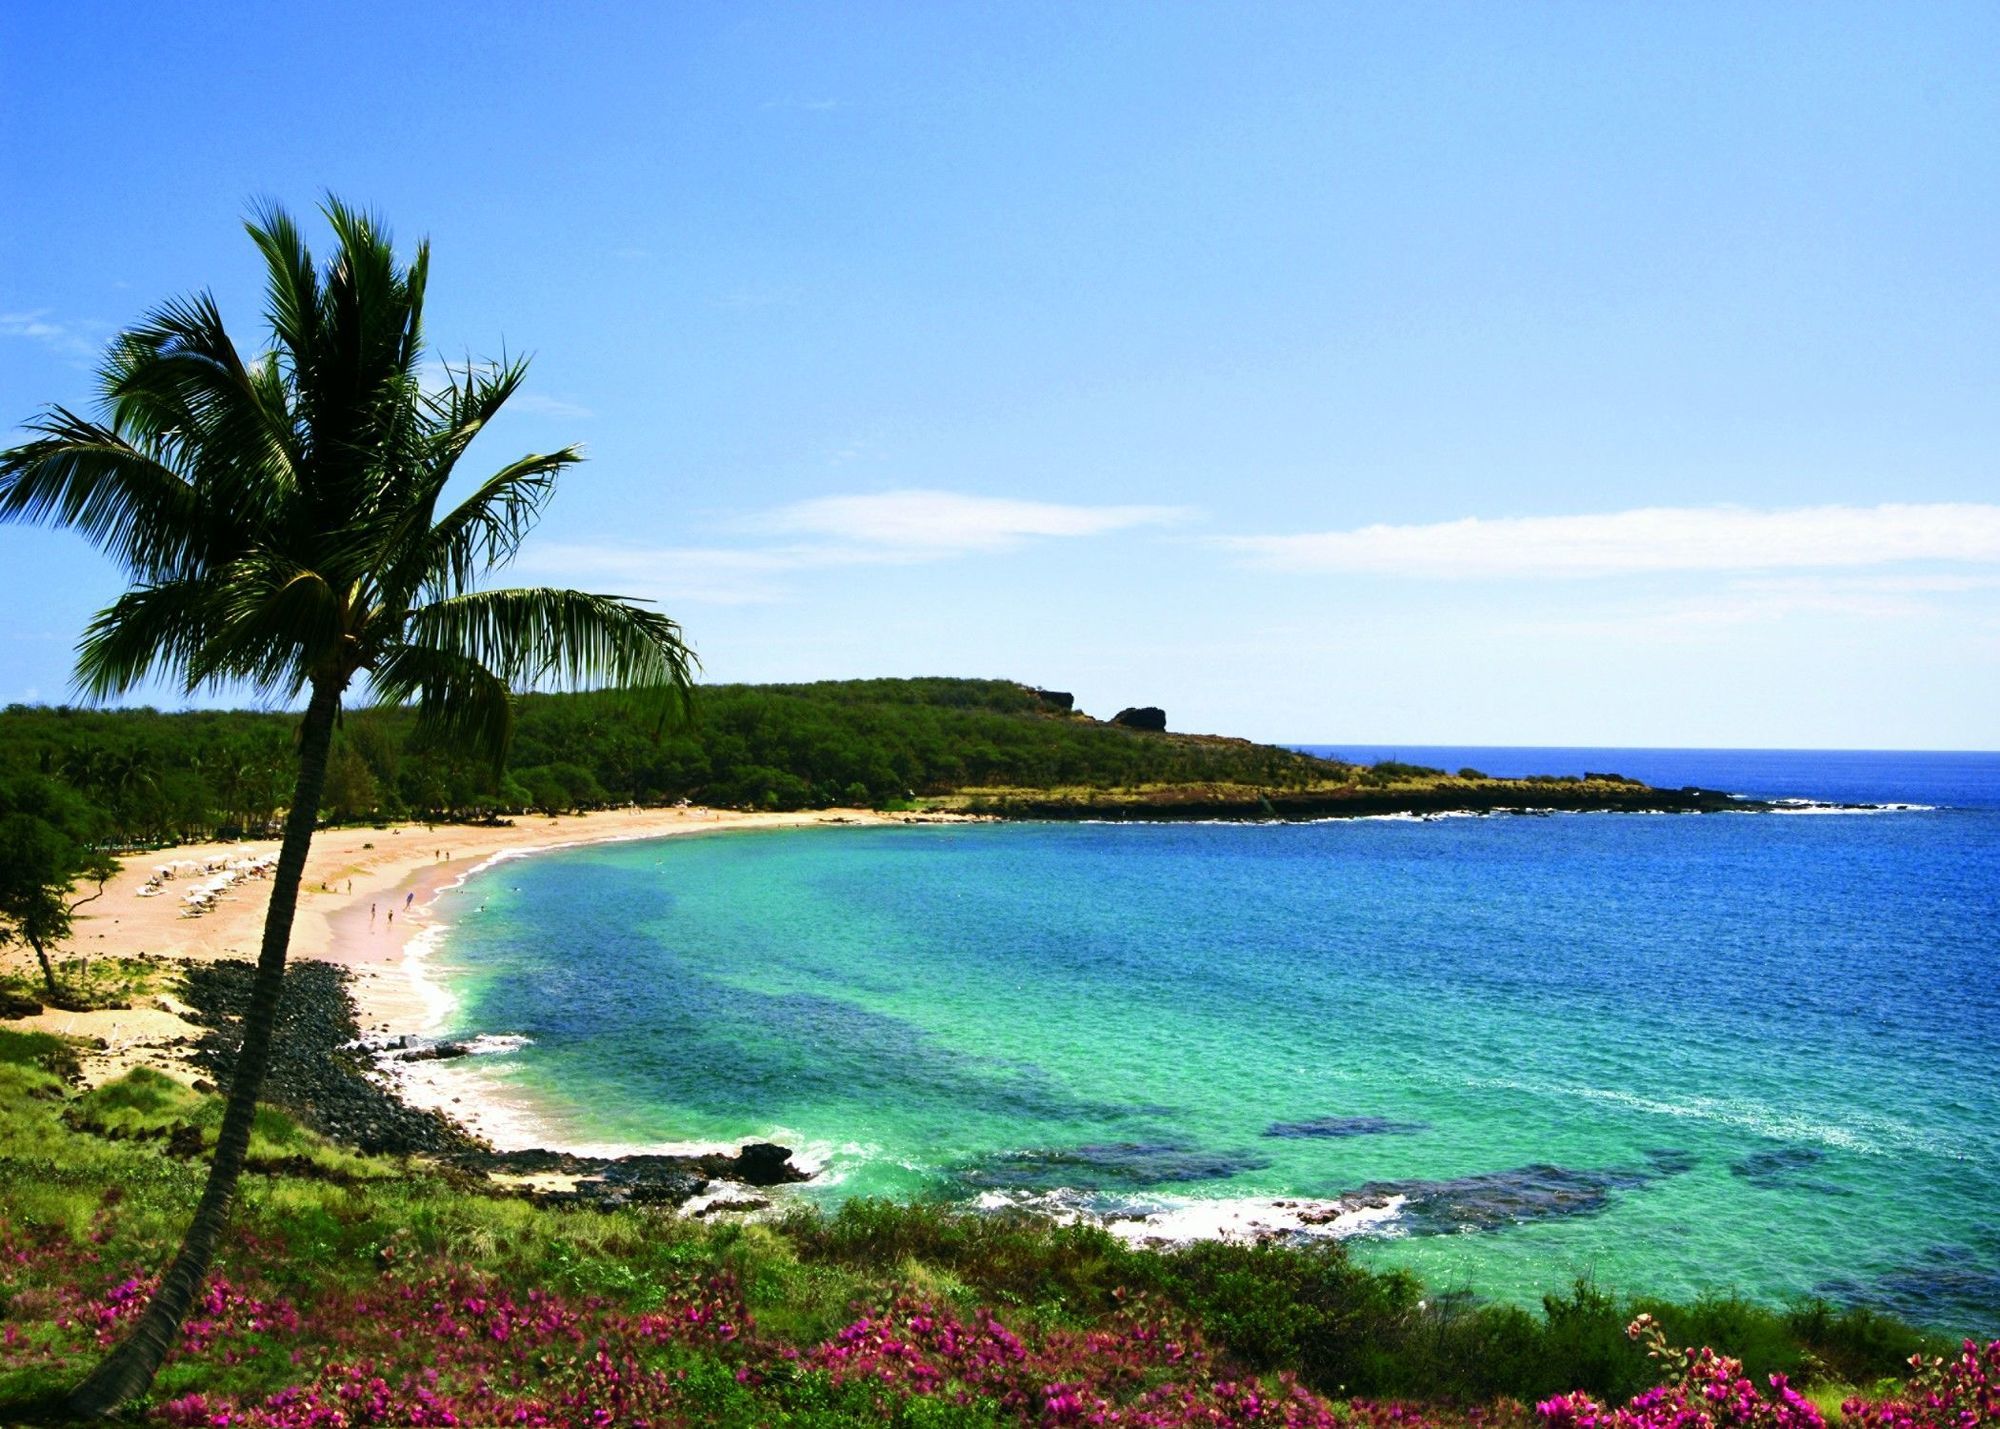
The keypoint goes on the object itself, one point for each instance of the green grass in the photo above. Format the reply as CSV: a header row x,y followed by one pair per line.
x,y
96,982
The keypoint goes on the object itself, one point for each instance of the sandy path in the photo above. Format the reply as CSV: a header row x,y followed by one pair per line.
x,y
395,870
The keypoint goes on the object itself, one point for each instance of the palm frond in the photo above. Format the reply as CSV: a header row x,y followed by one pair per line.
x,y
291,291
152,628
473,396
483,532
539,638
273,621
460,703
125,501
178,380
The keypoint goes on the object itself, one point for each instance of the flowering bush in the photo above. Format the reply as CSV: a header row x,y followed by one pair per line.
x,y
416,1343
1710,1391
1706,1391
1139,1369
1942,1394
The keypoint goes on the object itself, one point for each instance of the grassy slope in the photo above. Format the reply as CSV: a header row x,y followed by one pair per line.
x,y
341,1258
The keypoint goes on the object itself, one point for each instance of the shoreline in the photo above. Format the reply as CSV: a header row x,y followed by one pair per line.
x,y
347,870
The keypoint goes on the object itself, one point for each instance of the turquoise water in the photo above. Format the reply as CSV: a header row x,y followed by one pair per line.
x,y
1676,1053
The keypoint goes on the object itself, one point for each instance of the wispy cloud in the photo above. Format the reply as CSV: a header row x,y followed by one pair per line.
x,y
948,522
1650,540
714,575
37,326
542,405
880,529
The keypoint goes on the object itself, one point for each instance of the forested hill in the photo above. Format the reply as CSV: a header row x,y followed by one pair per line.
x,y
982,745
175,776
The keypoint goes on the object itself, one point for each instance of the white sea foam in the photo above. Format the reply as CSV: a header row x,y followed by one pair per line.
x,y
1817,806
1179,1220
433,996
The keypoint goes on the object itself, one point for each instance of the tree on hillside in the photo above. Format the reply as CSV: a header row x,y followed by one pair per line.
x,y
46,835
281,522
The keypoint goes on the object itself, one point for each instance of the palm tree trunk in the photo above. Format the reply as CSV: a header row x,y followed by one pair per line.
x,y
128,1370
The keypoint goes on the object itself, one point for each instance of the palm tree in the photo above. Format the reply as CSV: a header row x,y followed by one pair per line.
x,y
279,521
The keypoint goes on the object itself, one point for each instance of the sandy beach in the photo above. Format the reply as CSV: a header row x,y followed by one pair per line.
x,y
366,893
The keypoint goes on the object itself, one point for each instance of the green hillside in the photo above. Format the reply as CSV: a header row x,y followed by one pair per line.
x,y
161,777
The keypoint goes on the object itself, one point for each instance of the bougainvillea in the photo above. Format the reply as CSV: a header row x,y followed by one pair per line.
x,y
442,1345
1942,1394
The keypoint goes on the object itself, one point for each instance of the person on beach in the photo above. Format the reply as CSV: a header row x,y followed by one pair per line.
x,y
371,915
408,899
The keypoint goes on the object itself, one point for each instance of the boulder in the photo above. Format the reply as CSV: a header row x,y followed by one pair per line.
x,y
1055,699
1148,717
763,1164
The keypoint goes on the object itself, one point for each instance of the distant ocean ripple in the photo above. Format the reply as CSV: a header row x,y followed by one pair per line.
x,y
1677,1054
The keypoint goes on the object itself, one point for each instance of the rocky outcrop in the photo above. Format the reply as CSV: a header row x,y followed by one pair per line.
x,y
1213,801
1055,699
606,1182
321,1074
1146,717
318,1073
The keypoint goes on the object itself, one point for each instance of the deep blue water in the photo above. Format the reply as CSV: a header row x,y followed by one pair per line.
x,y
1678,1053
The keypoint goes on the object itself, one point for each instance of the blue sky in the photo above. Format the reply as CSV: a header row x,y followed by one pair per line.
x,y
1554,373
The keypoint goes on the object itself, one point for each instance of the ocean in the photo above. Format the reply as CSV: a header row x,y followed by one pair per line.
x,y
1676,1054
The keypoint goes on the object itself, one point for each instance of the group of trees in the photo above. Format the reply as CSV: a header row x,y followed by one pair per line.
x,y
159,778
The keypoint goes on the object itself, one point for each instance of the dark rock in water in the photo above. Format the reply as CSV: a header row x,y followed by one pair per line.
x,y
639,1180
763,1164
1343,1126
1670,1161
1950,1287
1491,1199
608,1192
1111,1165
1147,717
1778,1168
432,1052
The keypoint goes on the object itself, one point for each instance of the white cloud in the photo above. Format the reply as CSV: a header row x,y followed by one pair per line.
x,y
947,522
1651,540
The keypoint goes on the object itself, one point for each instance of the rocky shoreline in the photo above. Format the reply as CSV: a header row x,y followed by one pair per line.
x,y
326,1076
1598,794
